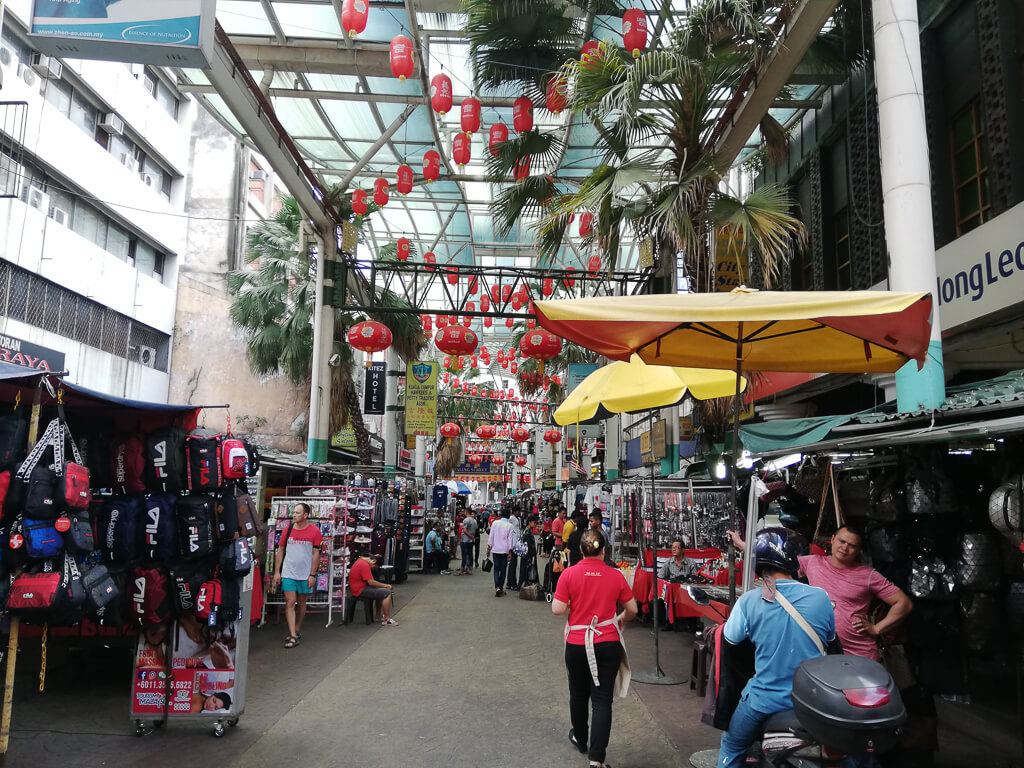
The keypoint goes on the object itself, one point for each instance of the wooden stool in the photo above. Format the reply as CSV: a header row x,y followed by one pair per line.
x,y
350,608
699,667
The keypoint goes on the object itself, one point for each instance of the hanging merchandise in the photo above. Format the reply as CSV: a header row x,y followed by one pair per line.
x,y
556,94
431,165
1005,510
430,258
540,345
634,31
405,179
522,114
498,134
456,340
461,149
353,16
402,64
359,202
469,115
441,93
380,192
369,336
586,224
402,252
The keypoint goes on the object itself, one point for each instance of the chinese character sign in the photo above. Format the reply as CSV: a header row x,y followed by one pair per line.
x,y
421,398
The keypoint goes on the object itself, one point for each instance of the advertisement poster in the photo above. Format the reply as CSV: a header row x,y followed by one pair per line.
x,y
421,398
149,688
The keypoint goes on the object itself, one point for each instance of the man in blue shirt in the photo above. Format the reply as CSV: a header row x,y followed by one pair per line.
x,y
780,643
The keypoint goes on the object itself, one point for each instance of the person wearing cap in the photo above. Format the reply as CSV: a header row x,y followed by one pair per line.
x,y
590,592
361,582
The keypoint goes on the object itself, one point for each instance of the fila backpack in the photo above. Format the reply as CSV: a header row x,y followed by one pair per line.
x,y
156,531
150,595
195,526
203,458
165,460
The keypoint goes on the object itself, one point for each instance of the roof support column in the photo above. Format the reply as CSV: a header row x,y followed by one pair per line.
x,y
318,432
906,186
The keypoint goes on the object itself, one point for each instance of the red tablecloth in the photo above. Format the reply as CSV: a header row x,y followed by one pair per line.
x,y
643,587
679,603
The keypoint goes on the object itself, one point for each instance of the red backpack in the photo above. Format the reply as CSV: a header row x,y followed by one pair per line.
x,y
127,463
209,600
151,595
234,458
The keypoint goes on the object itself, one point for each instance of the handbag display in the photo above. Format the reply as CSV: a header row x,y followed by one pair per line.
x,y
977,566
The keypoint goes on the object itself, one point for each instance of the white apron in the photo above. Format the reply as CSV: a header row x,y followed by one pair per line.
x,y
622,679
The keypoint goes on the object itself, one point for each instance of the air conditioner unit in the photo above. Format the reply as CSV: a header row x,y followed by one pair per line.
x,y
148,179
25,73
38,199
7,57
258,175
148,83
59,215
111,123
129,161
147,356
46,66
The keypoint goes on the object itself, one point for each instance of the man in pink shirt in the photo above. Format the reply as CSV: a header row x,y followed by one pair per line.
x,y
851,587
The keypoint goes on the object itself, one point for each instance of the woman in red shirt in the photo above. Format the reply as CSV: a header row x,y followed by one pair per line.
x,y
590,591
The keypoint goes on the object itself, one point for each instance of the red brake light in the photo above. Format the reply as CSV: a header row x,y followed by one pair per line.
x,y
867,697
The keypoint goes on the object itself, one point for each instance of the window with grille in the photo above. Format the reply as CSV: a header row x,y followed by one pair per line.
x,y
844,268
970,169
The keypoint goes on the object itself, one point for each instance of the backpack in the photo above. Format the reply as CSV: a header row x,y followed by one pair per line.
x,y
208,601
79,538
227,516
95,449
203,460
234,458
151,596
52,597
42,541
100,589
195,526
127,464
236,558
188,577
254,458
230,602
114,613
156,533
117,529
249,522
165,460
13,438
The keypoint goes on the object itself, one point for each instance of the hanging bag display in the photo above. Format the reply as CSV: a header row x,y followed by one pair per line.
x,y
34,488
42,540
188,577
249,522
100,589
73,476
151,595
80,537
236,558
226,511
234,457
13,436
821,538
1004,510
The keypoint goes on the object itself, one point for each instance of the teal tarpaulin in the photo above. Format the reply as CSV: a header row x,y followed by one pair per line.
x,y
789,433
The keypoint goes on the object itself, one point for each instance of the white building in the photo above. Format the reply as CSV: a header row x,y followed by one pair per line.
x,y
93,159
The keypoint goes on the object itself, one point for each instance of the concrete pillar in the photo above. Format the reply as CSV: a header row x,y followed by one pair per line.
x,y
612,441
391,409
420,459
318,437
906,184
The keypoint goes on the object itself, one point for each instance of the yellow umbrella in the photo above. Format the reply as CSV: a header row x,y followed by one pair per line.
x,y
635,386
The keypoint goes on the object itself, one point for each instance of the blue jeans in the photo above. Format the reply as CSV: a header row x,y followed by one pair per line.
x,y
744,728
500,564
467,555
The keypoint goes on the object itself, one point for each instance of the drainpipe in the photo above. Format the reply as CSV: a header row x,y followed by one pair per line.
x,y
906,185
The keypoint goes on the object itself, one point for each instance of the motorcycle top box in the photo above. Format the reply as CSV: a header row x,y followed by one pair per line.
x,y
848,703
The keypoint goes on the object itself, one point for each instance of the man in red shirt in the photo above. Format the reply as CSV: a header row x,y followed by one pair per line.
x,y
361,582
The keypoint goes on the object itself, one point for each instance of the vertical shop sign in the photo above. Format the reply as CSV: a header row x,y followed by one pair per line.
x,y
658,439
375,389
421,398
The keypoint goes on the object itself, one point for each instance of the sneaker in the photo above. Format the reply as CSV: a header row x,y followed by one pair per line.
x,y
389,623
364,529
446,572
572,738
361,539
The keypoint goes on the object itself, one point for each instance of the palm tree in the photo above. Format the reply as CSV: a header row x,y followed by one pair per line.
x,y
273,305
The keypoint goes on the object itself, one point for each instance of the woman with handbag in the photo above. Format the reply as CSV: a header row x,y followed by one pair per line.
x,y
528,561
590,592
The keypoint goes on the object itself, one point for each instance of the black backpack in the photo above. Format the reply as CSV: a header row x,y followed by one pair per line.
x,y
187,576
115,613
156,534
164,452
13,438
236,558
117,527
195,526
230,609
203,458
227,515
254,457
94,445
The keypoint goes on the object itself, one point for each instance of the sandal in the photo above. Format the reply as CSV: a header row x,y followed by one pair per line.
x,y
291,642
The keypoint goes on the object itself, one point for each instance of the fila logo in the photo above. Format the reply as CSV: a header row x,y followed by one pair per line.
x,y
160,459
193,538
140,594
152,526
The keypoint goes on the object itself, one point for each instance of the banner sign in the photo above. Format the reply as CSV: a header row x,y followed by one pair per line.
x,y
18,352
404,459
375,388
421,398
178,33
577,373
730,260
345,439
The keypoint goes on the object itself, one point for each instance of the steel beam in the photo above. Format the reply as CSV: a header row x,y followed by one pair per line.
x,y
397,123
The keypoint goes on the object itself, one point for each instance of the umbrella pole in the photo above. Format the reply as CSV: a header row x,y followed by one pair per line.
x,y
732,473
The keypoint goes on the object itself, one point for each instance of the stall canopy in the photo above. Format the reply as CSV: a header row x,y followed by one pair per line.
x,y
983,409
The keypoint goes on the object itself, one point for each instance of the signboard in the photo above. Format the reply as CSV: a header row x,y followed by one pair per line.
x,y
410,442
421,398
23,353
170,34
542,453
548,485
658,439
685,429
730,260
577,373
646,455
647,252
404,459
345,439
981,272
375,388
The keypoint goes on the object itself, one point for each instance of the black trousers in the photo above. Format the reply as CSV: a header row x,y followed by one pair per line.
x,y
582,692
513,579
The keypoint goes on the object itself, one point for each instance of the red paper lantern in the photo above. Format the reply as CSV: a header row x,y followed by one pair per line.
x,y
430,258
531,324
369,336
403,248
520,461
485,302
473,390
453,275
556,94
486,431
501,355
520,435
547,287
472,285
380,192
496,293
590,52
450,430
359,201
540,345
552,436
427,322
456,340
469,115
353,16
522,114
521,169
586,224
497,461
497,135
476,459
504,363
634,31
514,367
402,64
569,282
445,377
442,321
594,264
441,93
447,361
405,179
461,149
516,303
506,292
473,361
509,322
488,322
431,165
